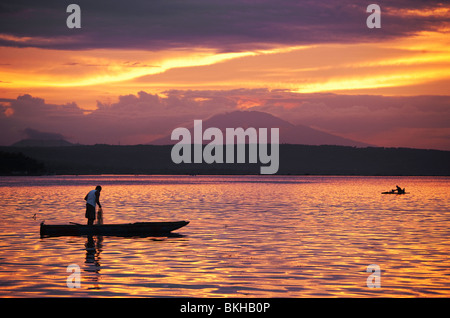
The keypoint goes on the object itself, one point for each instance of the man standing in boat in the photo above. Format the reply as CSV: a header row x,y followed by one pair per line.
x,y
92,198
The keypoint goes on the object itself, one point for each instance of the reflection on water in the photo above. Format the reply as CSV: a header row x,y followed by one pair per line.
x,y
249,236
93,250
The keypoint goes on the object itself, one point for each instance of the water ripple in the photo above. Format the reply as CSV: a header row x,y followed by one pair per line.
x,y
249,236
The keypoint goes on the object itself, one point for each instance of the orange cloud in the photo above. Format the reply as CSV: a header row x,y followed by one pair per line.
x,y
90,75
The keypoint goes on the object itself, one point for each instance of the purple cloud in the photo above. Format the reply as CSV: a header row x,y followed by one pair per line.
x,y
232,25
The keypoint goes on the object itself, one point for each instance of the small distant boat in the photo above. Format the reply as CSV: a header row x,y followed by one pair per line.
x,y
128,229
394,192
398,190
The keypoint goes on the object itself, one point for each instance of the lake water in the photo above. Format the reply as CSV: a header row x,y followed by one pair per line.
x,y
249,236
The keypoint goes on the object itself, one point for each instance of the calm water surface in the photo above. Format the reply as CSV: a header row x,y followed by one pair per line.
x,y
249,236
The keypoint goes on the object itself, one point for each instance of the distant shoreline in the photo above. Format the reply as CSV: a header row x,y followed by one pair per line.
x,y
299,160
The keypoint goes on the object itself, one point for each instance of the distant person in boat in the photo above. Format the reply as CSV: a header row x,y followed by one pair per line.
x,y
400,190
92,198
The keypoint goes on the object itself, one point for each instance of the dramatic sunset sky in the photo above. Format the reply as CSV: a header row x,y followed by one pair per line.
x,y
137,69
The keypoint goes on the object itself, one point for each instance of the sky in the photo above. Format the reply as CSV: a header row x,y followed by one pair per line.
x,y
136,70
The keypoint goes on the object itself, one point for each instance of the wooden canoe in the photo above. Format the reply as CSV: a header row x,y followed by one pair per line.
x,y
129,229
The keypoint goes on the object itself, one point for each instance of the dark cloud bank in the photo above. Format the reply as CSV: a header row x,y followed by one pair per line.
x,y
226,25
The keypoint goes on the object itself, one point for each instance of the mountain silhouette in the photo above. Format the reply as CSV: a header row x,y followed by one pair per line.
x,y
289,133
42,143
